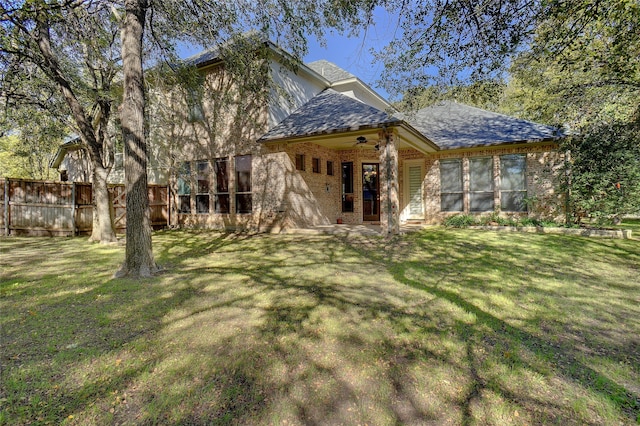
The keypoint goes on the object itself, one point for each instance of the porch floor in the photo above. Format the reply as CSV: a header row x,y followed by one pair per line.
x,y
345,229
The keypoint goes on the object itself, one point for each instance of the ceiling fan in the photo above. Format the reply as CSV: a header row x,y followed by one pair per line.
x,y
361,140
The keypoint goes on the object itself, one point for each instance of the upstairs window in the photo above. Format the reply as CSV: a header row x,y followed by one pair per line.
x,y
315,165
300,162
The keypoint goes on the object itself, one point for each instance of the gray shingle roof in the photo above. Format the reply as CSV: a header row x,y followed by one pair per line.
x,y
330,71
329,112
452,125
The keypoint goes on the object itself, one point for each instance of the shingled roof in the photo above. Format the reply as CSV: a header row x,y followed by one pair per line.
x,y
452,125
329,112
330,71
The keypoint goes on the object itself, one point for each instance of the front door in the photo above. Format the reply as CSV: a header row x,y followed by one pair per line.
x,y
370,193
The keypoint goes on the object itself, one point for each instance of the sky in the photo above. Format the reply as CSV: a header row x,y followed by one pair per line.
x,y
351,53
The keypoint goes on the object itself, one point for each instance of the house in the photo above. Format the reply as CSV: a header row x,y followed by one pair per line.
x,y
325,147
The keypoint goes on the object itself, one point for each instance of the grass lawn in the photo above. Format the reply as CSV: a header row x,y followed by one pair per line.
x,y
436,327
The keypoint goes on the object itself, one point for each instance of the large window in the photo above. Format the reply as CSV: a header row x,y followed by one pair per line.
x,y
513,185
221,198
347,187
481,184
243,184
451,185
184,188
202,187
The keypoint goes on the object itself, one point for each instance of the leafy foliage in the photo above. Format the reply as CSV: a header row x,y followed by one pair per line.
x,y
604,171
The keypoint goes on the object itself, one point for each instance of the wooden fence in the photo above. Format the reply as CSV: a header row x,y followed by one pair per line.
x,y
64,209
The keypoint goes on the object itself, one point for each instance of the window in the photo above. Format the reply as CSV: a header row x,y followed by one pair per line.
x,y
347,187
481,184
451,185
329,168
315,165
221,197
194,95
202,187
300,162
243,184
513,185
184,188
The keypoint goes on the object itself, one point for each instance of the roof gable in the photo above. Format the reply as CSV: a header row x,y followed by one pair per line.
x,y
329,112
451,125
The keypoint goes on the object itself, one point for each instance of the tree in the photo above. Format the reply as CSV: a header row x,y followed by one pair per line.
x,y
31,138
458,40
72,46
289,22
604,172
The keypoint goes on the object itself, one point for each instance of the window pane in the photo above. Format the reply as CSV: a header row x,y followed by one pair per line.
x,y
347,178
481,201
512,172
481,174
222,203
203,176
450,175
185,203
243,173
347,203
451,202
222,175
243,203
202,203
184,180
513,201
330,168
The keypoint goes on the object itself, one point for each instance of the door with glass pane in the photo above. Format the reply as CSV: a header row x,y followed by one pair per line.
x,y
370,193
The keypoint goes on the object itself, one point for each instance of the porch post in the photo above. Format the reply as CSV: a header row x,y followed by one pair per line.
x,y
390,216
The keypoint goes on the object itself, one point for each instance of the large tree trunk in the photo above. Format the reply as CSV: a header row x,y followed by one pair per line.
x,y
139,254
102,213
104,231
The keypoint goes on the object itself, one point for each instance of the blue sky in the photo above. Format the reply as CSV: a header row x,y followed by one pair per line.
x,y
354,53
350,53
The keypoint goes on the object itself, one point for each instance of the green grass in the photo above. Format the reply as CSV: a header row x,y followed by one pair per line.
x,y
437,327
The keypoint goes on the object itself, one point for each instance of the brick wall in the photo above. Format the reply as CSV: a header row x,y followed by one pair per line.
x,y
542,168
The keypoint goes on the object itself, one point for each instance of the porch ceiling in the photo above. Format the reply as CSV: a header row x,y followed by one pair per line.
x,y
405,136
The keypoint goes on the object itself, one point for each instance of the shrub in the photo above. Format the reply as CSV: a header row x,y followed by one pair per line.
x,y
460,221
528,221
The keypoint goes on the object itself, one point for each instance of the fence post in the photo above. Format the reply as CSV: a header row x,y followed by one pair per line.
x,y
6,207
73,209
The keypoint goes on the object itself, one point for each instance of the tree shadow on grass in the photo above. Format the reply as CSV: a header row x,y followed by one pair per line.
x,y
564,359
